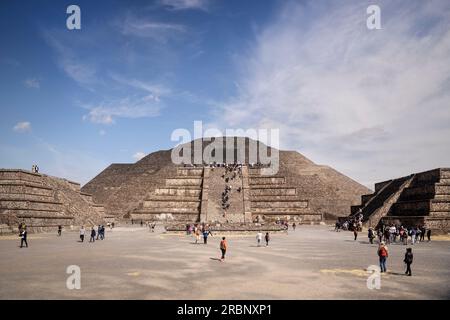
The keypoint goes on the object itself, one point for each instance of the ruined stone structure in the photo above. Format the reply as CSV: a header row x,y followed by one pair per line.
x,y
419,199
156,189
43,202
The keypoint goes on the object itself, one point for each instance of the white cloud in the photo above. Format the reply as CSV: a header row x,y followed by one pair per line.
x,y
145,103
144,28
186,4
130,107
32,83
139,155
22,127
371,103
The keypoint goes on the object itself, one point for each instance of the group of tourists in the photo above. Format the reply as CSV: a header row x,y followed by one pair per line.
x,y
199,231
34,168
100,233
392,233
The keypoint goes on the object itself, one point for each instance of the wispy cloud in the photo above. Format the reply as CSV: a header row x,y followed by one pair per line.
x,y
85,74
32,83
144,103
139,155
372,103
22,127
148,28
186,4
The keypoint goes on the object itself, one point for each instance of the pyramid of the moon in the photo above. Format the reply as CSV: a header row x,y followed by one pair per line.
x,y
155,188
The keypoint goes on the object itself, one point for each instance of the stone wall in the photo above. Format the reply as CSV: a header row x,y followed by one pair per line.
x,y
43,202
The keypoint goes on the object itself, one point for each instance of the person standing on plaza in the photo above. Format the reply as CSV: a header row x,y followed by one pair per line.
x,y
259,238
371,235
206,233
355,232
294,226
23,238
92,239
59,230
408,260
383,254
267,238
197,235
82,232
429,235
223,248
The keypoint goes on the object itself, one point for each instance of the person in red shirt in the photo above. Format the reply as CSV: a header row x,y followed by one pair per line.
x,y
223,248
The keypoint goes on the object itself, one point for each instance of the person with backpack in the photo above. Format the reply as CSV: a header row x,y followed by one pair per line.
x,y
408,260
383,254
267,238
223,248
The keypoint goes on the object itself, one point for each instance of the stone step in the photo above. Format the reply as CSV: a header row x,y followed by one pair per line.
x,y
177,192
30,204
26,197
172,198
276,198
183,182
166,210
444,181
269,186
419,207
273,191
279,210
445,173
171,204
189,172
267,180
30,212
279,204
176,217
20,175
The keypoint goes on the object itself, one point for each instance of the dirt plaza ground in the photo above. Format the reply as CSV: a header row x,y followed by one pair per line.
x,y
314,262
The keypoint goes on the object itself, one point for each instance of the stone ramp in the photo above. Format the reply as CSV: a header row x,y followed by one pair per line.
x,y
42,202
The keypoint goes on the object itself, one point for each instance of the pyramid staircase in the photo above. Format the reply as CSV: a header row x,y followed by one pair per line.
x,y
419,199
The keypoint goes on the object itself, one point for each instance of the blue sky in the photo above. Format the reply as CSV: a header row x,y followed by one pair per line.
x,y
373,104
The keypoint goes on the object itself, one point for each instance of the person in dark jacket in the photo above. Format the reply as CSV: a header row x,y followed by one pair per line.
x,y
408,260
92,235
267,238
371,235
23,238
